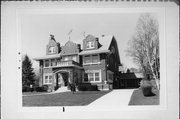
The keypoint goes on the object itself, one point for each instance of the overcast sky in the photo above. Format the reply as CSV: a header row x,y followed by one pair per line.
x,y
36,28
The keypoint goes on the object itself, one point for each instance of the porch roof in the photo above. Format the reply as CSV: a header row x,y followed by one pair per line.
x,y
48,57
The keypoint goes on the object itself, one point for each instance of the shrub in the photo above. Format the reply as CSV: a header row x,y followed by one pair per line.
x,y
87,87
56,87
82,87
146,87
92,88
39,89
26,89
44,88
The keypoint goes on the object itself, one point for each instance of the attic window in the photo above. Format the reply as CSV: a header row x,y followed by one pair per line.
x,y
90,45
52,50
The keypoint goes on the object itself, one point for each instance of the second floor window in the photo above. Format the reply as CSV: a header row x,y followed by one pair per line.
x,y
46,63
67,58
95,58
53,62
87,59
90,45
91,59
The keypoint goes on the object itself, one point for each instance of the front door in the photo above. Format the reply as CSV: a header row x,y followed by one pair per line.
x,y
65,76
62,78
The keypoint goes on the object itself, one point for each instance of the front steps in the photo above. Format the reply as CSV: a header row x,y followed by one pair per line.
x,y
62,89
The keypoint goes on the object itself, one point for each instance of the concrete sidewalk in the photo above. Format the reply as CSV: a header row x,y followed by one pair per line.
x,y
119,97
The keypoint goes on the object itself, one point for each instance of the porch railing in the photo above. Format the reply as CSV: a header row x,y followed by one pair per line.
x,y
67,63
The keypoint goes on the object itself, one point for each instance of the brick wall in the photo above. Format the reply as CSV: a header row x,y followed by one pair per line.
x,y
100,66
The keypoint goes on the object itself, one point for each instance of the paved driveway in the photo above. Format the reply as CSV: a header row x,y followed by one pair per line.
x,y
119,97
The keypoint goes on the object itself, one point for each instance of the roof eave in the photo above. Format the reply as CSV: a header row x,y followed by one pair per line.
x,y
88,53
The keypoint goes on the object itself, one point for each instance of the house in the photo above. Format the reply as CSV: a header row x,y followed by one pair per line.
x,y
96,63
129,79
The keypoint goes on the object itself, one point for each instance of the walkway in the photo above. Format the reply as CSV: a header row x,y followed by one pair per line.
x,y
119,97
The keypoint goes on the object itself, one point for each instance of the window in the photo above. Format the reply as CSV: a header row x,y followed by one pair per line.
x,y
87,59
74,58
92,76
91,59
96,76
110,76
46,63
58,61
53,62
66,58
48,79
85,77
52,50
95,58
90,44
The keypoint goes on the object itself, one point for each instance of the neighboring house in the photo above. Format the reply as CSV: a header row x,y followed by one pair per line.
x,y
129,79
96,63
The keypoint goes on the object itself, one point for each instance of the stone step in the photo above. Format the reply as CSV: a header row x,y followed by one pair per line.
x,y
62,89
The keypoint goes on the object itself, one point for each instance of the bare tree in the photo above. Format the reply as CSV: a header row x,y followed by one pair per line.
x,y
144,46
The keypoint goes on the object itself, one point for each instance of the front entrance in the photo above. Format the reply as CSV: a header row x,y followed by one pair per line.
x,y
62,79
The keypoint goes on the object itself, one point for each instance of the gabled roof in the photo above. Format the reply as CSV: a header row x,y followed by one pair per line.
x,y
70,48
131,75
105,41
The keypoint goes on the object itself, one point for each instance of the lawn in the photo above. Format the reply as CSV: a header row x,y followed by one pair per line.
x,y
63,99
138,98
33,93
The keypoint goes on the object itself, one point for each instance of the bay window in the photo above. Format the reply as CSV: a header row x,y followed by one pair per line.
x,y
96,76
92,76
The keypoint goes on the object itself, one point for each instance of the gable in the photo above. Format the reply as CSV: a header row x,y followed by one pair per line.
x,y
90,43
53,47
114,49
70,48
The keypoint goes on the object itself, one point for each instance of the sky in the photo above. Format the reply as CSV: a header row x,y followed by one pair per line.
x,y
36,29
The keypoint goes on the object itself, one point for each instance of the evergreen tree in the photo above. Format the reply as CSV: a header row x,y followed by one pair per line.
x,y
27,72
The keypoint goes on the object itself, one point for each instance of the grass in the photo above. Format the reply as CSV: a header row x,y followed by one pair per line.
x,y
63,99
33,93
138,98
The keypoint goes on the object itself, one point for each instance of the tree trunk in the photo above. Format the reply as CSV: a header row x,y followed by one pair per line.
x,y
154,75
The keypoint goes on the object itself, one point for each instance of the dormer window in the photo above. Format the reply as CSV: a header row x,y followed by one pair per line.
x,y
52,50
90,44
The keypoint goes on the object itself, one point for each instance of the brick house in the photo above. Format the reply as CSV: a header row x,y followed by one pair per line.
x,y
96,63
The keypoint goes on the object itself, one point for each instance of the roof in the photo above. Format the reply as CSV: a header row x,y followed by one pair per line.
x,y
105,41
48,57
129,76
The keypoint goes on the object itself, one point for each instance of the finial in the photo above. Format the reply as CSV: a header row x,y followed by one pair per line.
x,y
52,37
84,34
69,34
